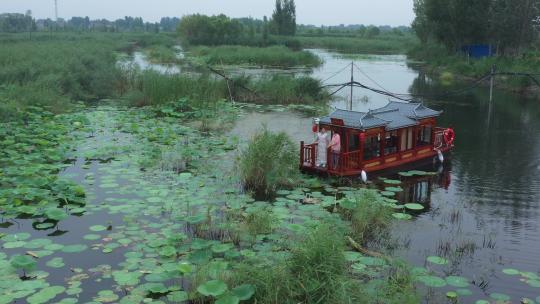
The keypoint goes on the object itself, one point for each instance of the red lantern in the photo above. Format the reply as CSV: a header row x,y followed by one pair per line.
x,y
315,128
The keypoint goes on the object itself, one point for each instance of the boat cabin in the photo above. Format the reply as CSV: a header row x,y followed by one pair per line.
x,y
393,135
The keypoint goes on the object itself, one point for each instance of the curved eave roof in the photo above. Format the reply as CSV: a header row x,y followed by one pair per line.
x,y
393,116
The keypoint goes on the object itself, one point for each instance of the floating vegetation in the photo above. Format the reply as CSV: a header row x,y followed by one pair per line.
x,y
437,260
133,223
414,206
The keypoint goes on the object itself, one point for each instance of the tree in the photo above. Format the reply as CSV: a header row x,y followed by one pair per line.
x,y
508,24
205,30
284,18
265,30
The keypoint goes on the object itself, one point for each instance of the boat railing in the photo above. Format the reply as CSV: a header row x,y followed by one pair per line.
x,y
341,162
308,154
439,142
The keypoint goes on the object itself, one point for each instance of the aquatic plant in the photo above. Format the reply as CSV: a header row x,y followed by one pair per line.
x,y
274,56
268,162
368,214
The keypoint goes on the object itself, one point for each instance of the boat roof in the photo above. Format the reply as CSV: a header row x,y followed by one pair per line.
x,y
395,115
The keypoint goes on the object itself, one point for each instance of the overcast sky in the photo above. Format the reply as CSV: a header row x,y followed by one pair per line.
x,y
327,12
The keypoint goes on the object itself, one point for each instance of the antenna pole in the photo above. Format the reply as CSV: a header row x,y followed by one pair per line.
x,y
56,10
352,82
491,83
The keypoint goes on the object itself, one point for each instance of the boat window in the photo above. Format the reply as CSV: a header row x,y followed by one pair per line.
x,y
406,139
354,142
424,136
372,147
391,143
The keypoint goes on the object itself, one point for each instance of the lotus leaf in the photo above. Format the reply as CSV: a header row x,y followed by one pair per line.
x,y
74,248
534,283
177,296
124,278
168,251
432,281
56,214
97,228
16,237
499,296
92,237
451,294
371,261
457,281
106,296
393,189
45,226
437,260
228,299
244,292
185,267
45,295
57,262
156,288
402,216
414,206
510,271
464,292
221,248
23,262
212,288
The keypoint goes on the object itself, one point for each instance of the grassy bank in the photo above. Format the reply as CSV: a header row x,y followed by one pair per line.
x,y
377,45
448,65
274,56
154,88
54,70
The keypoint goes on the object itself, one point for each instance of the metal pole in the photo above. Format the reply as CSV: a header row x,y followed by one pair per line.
x,y
491,83
352,81
56,10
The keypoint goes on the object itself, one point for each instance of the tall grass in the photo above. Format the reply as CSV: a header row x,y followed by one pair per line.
x,y
280,89
142,88
377,45
274,56
370,218
54,70
268,162
163,54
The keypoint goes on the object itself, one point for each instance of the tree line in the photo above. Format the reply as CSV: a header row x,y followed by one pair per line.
x,y
16,23
510,26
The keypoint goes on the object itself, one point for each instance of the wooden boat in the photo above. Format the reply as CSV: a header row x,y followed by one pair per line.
x,y
396,134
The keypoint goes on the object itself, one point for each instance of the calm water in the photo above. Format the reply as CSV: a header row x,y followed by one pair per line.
x,y
484,206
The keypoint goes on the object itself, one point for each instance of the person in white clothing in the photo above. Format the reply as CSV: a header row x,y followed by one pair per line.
x,y
322,146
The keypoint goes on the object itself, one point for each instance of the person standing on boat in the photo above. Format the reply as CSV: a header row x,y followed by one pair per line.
x,y
322,147
335,147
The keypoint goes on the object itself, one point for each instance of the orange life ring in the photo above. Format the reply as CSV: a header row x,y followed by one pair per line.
x,y
449,136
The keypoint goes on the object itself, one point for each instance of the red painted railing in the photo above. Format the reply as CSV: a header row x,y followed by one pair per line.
x,y
308,154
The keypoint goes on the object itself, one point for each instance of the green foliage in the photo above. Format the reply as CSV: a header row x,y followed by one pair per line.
x,y
268,162
31,152
369,216
509,25
14,23
284,18
162,54
206,30
280,89
382,44
277,56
